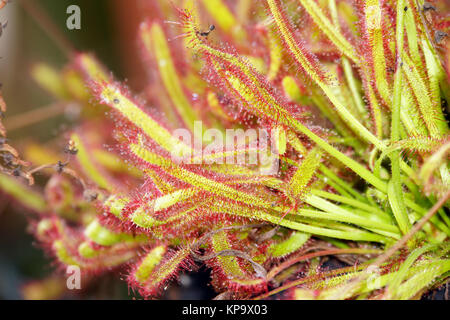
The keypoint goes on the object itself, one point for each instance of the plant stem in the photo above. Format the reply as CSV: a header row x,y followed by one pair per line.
x,y
352,202
347,66
395,192
291,262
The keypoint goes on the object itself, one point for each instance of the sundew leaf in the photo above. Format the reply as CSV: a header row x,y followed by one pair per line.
x,y
349,74
91,68
393,287
231,274
437,83
276,55
324,229
63,254
307,60
160,266
59,239
109,256
373,14
196,180
88,164
422,94
51,80
162,183
420,144
105,237
155,42
145,217
248,87
22,194
329,29
115,97
419,276
149,213
216,107
224,18
422,279
410,114
294,93
309,63
305,172
412,33
378,121
337,213
144,269
114,163
433,162
294,242
395,194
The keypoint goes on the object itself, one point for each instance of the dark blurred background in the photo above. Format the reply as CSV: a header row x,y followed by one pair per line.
x,y
33,34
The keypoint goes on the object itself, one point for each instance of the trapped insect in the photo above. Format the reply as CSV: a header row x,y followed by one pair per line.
x,y
206,33
428,7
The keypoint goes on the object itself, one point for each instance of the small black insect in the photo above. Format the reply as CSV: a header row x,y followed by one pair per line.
x,y
428,6
71,148
405,8
116,101
439,36
60,166
206,33
8,159
17,172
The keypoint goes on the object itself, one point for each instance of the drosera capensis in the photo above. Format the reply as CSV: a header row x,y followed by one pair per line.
x,y
350,94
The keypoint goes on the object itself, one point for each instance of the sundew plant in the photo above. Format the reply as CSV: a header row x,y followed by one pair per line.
x,y
348,101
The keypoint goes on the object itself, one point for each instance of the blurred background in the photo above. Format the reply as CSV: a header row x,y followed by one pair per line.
x,y
36,32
